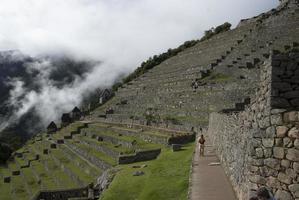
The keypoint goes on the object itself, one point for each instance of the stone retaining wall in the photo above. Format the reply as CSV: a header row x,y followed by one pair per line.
x,y
139,156
260,145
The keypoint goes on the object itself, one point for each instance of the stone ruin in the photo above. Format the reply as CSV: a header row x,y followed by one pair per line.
x,y
259,146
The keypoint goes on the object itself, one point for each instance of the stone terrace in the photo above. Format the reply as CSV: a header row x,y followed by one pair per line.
x,y
77,155
231,59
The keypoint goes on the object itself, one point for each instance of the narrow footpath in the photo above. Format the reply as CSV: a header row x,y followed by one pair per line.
x,y
209,182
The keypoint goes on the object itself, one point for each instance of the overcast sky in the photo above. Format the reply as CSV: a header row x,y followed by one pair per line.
x,y
120,33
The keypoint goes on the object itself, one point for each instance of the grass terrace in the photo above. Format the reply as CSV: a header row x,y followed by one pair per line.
x,y
165,178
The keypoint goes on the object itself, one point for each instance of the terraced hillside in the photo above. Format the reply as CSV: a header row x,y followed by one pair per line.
x,y
132,133
225,67
76,156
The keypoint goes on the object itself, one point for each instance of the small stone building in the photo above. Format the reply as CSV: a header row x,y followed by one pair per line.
x,y
76,114
65,119
52,128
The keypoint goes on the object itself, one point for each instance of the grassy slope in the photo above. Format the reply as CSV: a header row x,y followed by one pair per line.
x,y
165,178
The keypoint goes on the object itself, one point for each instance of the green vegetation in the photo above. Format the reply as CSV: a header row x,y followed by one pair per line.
x,y
165,178
218,77
214,31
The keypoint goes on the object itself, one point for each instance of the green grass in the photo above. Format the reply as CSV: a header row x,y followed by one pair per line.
x,y
5,191
217,77
166,178
18,188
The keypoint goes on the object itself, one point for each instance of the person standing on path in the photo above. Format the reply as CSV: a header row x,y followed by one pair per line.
x,y
201,142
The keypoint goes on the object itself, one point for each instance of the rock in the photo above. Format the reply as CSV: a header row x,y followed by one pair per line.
x,y
272,163
259,152
290,116
281,131
273,182
267,152
293,133
276,119
295,102
268,142
285,163
296,143
283,195
278,102
284,178
278,152
138,173
287,142
278,142
270,132
277,111
291,94
294,187
293,155
257,179
291,173
257,162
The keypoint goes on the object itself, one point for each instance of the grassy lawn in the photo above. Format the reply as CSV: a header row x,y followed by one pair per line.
x,y
166,178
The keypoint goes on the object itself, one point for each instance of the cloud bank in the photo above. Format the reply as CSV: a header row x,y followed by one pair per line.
x,y
121,34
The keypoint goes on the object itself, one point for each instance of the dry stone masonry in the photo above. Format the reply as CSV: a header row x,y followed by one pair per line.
x,y
259,146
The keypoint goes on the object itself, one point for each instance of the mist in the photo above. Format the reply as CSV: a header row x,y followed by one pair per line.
x,y
117,35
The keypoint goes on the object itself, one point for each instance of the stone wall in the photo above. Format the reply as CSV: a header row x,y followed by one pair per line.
x,y
139,156
259,146
62,194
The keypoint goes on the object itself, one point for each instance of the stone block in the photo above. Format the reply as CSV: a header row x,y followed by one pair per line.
x,y
257,179
294,133
279,102
287,142
285,163
281,131
291,173
293,155
295,102
277,111
273,182
291,94
278,142
259,152
283,195
268,152
264,123
276,119
294,188
278,152
256,162
268,142
284,178
270,132
272,163
291,116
